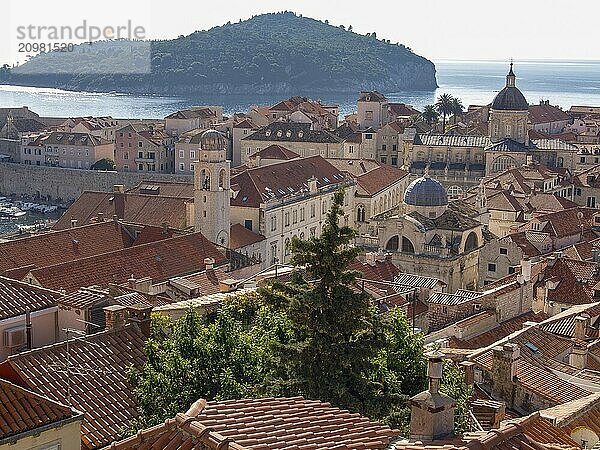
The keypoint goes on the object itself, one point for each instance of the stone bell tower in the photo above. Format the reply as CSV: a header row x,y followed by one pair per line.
x,y
211,188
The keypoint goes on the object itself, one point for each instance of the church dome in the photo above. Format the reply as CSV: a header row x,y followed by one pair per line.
x,y
213,140
425,191
510,98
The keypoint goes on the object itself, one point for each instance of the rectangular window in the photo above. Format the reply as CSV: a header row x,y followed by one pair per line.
x,y
591,202
192,154
140,144
181,167
126,155
181,154
503,251
295,216
140,155
286,219
491,267
369,115
312,210
191,167
384,148
248,224
302,214
273,223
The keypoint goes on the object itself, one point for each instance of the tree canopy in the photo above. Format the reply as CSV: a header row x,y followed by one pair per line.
x,y
277,51
316,335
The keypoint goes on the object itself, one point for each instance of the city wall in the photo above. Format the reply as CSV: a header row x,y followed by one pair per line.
x,y
62,184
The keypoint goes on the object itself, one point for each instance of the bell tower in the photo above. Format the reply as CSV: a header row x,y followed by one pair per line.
x,y
211,188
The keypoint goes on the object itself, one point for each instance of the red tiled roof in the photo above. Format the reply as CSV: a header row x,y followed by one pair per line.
x,y
133,208
380,178
402,109
16,298
580,413
259,424
22,410
501,331
542,431
165,188
546,114
241,236
159,260
98,382
65,245
576,280
567,222
260,184
275,151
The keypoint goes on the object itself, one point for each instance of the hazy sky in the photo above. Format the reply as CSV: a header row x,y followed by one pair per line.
x,y
436,29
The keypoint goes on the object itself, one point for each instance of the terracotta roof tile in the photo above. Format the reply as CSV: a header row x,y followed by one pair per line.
x,y
380,178
16,298
258,185
575,281
98,382
159,260
241,236
165,188
275,151
62,246
22,410
132,208
268,423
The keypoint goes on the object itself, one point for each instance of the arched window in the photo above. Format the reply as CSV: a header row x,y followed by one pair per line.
x,y
360,213
287,246
205,180
407,246
392,244
222,178
302,236
472,242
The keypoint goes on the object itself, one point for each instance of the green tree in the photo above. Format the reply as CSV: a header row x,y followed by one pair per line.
x,y
103,164
430,114
453,384
194,357
457,108
444,107
336,331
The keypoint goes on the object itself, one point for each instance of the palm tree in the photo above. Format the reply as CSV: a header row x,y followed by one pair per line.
x,y
430,114
457,108
444,107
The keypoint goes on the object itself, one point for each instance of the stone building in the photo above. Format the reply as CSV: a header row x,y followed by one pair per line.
x,y
297,137
144,148
431,237
204,117
212,188
59,149
287,199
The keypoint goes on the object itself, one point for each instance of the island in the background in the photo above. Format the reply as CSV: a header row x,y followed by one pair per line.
x,y
269,53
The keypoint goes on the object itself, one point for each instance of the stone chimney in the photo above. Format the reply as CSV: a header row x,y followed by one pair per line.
x,y
579,328
73,223
504,371
119,200
468,368
526,269
115,316
579,351
140,315
100,217
432,413
209,264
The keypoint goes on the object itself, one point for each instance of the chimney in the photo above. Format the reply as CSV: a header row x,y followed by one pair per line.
x,y
209,264
140,314
131,282
165,227
468,368
579,354
114,316
312,185
73,223
119,200
100,217
579,328
370,258
431,412
504,371
526,269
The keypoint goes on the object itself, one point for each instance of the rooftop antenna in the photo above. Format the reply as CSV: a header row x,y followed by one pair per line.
x,y
70,369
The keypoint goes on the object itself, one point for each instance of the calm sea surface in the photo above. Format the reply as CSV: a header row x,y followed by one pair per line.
x,y
564,83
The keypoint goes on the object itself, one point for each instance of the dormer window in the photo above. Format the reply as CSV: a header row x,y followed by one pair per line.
x,y
279,133
288,133
268,133
300,134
